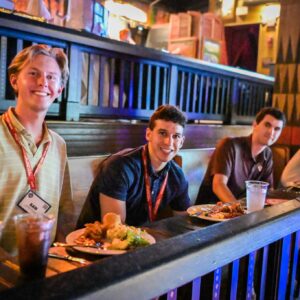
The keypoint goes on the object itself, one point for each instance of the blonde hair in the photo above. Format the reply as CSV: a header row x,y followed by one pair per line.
x,y
27,54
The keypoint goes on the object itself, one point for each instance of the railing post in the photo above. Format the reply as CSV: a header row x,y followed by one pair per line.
x,y
295,277
173,85
72,108
232,105
284,267
250,278
3,62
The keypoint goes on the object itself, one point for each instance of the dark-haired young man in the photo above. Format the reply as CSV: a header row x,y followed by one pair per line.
x,y
138,184
236,160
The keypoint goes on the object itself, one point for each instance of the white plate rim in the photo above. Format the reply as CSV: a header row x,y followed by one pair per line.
x,y
201,216
72,236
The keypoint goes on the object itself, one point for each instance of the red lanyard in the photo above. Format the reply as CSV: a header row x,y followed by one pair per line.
x,y
29,172
152,211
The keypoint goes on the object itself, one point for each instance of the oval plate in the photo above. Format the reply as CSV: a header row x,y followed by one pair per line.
x,y
198,211
71,237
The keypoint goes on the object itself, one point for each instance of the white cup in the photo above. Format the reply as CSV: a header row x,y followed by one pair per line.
x,y
256,194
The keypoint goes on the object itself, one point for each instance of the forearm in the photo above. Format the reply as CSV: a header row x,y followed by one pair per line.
x,y
220,188
224,194
109,204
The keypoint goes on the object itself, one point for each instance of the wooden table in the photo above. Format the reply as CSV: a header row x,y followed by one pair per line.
x,y
160,230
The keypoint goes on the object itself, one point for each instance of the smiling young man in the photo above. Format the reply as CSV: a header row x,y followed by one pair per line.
x,y
33,158
139,184
236,160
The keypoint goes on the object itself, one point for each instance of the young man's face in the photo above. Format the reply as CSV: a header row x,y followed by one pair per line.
x,y
267,131
164,142
38,84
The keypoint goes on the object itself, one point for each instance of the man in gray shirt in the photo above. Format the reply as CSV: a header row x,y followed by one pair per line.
x,y
236,160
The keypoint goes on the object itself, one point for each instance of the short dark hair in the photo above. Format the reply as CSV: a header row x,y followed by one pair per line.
x,y
274,112
168,113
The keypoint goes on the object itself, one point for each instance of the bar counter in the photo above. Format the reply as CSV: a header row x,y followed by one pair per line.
x,y
186,248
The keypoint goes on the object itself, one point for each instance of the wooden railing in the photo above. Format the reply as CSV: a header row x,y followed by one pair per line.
x,y
110,79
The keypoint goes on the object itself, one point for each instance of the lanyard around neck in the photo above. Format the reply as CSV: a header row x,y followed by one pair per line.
x,y
31,174
152,211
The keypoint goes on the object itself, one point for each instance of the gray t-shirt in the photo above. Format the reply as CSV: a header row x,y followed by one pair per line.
x,y
233,158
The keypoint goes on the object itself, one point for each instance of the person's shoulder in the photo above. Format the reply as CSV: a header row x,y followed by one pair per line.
x,y
125,157
176,169
57,138
268,152
2,126
226,141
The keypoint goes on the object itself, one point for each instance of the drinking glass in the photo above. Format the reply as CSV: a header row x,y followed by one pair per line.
x,y
33,240
256,194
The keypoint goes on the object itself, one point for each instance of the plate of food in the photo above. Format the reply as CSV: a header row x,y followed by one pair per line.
x,y
219,212
109,238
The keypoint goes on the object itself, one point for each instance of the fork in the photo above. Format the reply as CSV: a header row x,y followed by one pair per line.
x,y
58,244
69,257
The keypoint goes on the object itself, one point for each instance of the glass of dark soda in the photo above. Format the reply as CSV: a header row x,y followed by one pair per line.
x,y
33,239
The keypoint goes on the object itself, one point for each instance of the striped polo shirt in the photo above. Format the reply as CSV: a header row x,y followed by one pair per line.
x,y
51,184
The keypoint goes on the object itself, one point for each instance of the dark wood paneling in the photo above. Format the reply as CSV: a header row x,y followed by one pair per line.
x,y
101,138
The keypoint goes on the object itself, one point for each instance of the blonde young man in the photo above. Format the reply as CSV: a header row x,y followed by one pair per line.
x,y
140,184
33,173
238,159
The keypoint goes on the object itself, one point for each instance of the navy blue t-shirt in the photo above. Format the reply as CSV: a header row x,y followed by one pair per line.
x,y
121,176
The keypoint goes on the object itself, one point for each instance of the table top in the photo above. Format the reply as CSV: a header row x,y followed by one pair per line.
x,y
160,230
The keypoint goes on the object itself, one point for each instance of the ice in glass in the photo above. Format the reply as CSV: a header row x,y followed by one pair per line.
x,y
256,194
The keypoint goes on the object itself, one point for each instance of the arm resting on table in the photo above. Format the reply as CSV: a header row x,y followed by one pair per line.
x,y
221,189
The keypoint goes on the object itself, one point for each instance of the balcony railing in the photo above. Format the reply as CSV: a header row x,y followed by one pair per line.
x,y
110,79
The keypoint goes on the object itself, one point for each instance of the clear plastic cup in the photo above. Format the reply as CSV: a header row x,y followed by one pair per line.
x,y
33,240
256,194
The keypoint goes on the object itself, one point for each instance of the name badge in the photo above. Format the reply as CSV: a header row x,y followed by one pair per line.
x,y
32,203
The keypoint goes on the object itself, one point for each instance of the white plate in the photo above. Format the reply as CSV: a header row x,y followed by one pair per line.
x,y
71,237
198,211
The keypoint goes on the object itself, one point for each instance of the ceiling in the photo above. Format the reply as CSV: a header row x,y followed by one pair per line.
x,y
180,5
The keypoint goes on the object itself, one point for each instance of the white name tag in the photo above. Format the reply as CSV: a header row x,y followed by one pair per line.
x,y
32,203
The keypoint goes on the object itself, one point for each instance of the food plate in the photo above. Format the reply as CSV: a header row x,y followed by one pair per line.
x,y
71,237
198,211
273,201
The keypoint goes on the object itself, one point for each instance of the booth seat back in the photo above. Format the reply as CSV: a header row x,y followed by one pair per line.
x,y
281,156
194,165
83,170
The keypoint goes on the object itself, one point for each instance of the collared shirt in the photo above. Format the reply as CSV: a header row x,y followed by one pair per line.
x,y
51,180
233,158
121,177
